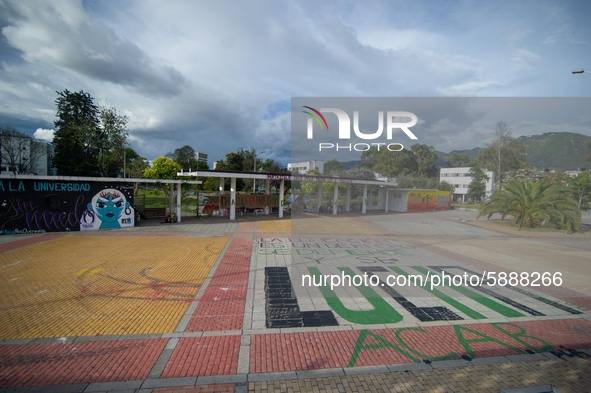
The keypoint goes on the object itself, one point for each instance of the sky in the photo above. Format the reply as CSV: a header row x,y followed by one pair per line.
x,y
221,75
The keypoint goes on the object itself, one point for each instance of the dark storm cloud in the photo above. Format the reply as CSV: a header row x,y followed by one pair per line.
x,y
63,35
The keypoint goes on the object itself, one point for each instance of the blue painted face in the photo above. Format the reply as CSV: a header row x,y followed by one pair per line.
x,y
110,206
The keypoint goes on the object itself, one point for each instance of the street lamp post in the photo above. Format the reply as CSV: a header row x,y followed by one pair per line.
x,y
254,181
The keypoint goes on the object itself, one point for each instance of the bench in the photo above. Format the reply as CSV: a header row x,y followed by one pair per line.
x,y
154,212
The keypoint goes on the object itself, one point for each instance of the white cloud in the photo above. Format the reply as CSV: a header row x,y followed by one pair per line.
x,y
44,135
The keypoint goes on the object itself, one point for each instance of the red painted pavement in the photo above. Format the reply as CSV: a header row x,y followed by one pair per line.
x,y
222,305
319,350
204,356
27,242
77,362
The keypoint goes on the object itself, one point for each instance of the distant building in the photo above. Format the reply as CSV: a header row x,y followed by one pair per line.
x,y
307,166
460,179
41,166
201,157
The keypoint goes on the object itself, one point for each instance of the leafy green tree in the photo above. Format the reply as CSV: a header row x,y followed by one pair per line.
x,y
445,186
533,204
580,186
390,164
333,166
477,188
458,160
558,178
233,162
588,146
110,140
185,156
89,140
504,154
163,168
20,153
425,157
77,124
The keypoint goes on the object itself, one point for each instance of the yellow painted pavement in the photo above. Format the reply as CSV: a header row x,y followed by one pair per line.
x,y
328,225
102,285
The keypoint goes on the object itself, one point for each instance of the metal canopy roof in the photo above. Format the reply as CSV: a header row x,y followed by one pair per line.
x,y
281,176
101,179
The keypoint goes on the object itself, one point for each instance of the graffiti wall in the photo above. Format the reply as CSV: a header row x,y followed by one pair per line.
x,y
29,206
428,200
249,201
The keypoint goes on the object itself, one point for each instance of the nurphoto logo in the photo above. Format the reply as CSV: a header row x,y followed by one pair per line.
x,y
392,122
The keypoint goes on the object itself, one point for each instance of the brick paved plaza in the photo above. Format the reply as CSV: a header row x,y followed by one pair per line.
x,y
213,305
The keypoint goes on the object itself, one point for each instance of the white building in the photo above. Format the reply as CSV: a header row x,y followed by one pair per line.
x,y
307,166
460,179
42,153
202,157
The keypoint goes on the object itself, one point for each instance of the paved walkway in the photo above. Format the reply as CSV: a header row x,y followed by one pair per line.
x,y
213,305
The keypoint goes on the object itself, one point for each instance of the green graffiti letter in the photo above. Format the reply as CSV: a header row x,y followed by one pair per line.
x,y
515,336
466,342
384,344
382,312
401,341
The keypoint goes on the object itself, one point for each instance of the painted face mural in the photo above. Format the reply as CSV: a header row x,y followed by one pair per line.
x,y
111,208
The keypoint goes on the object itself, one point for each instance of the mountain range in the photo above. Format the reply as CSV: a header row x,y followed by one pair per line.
x,y
554,150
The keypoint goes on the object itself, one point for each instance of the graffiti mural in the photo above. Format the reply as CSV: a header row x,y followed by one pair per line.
x,y
428,200
29,206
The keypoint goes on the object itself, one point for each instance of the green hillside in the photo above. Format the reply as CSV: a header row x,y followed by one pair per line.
x,y
557,150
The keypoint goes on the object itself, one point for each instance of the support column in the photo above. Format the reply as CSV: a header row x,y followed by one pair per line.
x,y
268,186
232,198
335,198
319,197
281,191
364,205
387,195
348,198
370,198
221,192
178,202
171,199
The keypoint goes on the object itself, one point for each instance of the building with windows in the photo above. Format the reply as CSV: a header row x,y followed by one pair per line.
x,y
201,157
460,179
307,166
31,156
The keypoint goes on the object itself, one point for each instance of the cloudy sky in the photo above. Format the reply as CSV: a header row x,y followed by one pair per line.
x,y
220,75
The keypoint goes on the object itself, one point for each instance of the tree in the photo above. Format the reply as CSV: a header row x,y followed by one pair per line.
x,y
445,186
233,162
333,166
20,152
580,186
425,157
110,140
89,140
185,156
163,168
390,164
533,204
458,160
477,188
76,125
558,178
503,154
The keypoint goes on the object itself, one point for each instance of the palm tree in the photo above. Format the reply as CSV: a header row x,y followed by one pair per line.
x,y
533,204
